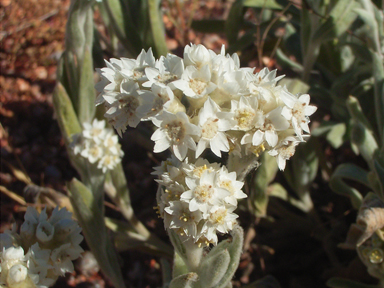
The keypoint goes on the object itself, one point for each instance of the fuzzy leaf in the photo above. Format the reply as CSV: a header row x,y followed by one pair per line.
x,y
184,281
350,172
339,20
213,268
86,95
235,249
65,114
179,266
91,218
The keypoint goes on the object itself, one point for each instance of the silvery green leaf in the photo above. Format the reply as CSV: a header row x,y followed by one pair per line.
x,y
339,20
265,173
184,281
357,113
91,219
285,61
178,244
350,172
213,268
157,28
346,283
126,238
179,266
336,135
65,113
364,140
86,96
267,4
302,168
235,249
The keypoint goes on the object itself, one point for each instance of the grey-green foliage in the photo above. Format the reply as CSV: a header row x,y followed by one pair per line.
x,y
215,269
137,24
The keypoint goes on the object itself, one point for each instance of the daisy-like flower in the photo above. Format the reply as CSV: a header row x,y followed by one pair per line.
x,y
298,111
247,113
176,132
213,125
285,150
167,70
195,83
95,131
204,192
222,219
178,216
227,180
123,108
274,122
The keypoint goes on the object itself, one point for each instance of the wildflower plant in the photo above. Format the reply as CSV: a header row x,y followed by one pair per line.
x,y
203,106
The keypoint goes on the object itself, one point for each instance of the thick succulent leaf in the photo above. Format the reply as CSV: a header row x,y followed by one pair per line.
x,y
350,172
91,218
369,219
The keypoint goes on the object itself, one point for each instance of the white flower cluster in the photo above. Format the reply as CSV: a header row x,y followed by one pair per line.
x,y
204,100
42,252
98,144
197,200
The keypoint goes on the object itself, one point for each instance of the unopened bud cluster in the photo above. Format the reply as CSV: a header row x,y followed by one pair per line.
x,y
197,200
43,251
204,100
99,145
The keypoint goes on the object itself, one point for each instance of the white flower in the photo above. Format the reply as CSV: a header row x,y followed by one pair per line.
x,y
123,107
227,180
195,83
98,145
285,150
178,215
167,69
175,131
220,219
274,122
299,112
196,55
203,192
213,125
247,113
